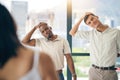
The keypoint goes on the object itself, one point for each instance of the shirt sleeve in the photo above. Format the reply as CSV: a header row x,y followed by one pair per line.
x,y
66,47
82,34
118,41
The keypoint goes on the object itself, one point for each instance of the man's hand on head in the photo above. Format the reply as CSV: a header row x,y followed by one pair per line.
x,y
36,27
86,13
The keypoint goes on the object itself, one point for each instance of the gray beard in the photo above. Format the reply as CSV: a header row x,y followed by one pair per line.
x,y
49,36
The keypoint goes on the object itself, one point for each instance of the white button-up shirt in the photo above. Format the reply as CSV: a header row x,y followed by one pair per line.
x,y
56,49
104,46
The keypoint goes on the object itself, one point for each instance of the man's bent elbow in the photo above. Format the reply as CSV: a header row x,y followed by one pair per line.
x,y
24,41
71,33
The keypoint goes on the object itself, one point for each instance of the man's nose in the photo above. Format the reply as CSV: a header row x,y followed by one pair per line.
x,y
91,22
46,31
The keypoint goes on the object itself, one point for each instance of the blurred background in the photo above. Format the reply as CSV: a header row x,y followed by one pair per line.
x,y
61,15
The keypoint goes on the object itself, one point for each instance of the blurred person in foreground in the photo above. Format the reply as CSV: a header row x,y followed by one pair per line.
x,y
56,46
18,62
104,46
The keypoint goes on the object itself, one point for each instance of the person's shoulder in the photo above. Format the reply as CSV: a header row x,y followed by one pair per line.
x,y
115,29
44,58
44,55
28,49
60,37
26,52
40,38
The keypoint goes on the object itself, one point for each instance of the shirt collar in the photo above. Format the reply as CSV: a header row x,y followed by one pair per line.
x,y
57,39
103,31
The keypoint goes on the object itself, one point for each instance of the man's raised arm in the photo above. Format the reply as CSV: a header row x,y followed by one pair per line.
x,y
76,26
27,40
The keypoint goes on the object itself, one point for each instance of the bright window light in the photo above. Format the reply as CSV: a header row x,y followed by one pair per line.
x,y
43,4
